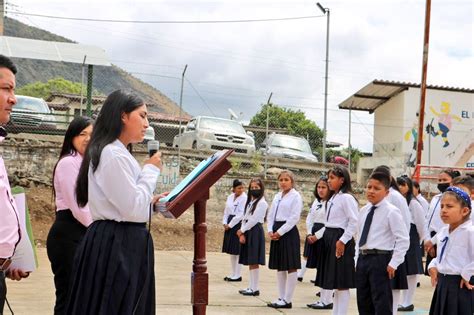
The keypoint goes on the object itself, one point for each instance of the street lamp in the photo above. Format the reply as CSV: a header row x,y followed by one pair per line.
x,y
327,12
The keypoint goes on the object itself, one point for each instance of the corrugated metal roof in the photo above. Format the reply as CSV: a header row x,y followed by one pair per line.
x,y
54,51
377,92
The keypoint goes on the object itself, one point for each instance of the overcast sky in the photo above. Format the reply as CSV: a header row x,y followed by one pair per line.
x,y
237,65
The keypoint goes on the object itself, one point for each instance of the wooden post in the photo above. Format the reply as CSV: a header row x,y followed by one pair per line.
x,y
199,276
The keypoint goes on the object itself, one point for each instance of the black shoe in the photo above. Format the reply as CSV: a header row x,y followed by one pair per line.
x,y
312,281
276,305
418,284
251,293
320,306
300,279
408,308
244,290
318,294
233,280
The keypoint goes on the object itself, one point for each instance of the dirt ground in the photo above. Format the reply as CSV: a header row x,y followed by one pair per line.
x,y
168,234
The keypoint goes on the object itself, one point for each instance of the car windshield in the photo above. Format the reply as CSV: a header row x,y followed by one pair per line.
x,y
291,143
221,125
30,104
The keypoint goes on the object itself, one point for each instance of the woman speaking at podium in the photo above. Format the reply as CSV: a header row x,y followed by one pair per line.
x,y
113,269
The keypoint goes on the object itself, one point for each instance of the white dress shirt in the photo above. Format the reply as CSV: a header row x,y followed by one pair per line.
x,y
424,203
397,199
433,218
341,213
385,231
458,255
258,216
316,214
418,218
236,207
119,189
287,208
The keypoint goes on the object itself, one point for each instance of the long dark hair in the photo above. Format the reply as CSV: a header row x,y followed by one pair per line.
x,y
77,125
451,173
341,171
315,192
107,129
404,180
249,197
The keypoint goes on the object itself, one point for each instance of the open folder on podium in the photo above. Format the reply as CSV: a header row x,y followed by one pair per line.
x,y
216,163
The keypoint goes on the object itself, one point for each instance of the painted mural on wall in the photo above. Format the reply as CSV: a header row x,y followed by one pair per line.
x,y
445,122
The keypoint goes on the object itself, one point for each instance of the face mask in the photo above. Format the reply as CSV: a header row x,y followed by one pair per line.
x,y
255,193
442,187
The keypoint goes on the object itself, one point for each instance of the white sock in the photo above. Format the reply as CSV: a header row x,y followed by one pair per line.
x,y
232,264
281,277
290,286
326,296
408,294
343,301
302,271
238,269
254,273
335,308
250,279
396,300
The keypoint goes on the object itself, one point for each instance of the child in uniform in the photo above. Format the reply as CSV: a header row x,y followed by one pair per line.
x,y
252,236
233,213
282,219
314,245
452,270
338,272
379,229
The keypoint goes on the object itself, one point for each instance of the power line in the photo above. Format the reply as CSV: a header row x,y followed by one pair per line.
x,y
167,22
202,99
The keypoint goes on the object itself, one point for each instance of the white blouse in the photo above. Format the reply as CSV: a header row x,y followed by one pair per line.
x,y
433,218
341,213
258,216
397,199
236,207
418,218
119,189
316,214
458,255
287,208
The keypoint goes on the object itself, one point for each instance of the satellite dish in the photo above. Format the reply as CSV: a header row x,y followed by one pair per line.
x,y
233,115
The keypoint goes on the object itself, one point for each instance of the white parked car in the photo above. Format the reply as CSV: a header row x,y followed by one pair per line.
x,y
288,147
211,133
32,113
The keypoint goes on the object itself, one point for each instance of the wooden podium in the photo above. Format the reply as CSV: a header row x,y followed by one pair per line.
x,y
197,193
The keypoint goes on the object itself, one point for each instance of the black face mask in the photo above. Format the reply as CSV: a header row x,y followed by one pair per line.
x,y
255,193
443,186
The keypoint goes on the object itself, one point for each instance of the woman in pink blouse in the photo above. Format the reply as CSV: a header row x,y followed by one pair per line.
x,y
71,220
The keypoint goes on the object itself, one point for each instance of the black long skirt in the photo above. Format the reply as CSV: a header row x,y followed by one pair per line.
x,y
399,282
114,270
231,244
336,273
253,251
285,253
64,237
428,257
449,298
413,255
315,250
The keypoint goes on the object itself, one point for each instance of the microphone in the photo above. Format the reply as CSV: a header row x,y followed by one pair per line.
x,y
153,147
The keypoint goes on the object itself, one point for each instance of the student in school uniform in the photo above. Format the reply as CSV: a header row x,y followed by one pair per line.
x,y
314,245
452,270
399,282
233,214
252,236
417,193
418,231
433,219
466,183
282,219
338,271
379,229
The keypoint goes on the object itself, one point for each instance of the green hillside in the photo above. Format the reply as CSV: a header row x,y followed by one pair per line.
x,y
106,79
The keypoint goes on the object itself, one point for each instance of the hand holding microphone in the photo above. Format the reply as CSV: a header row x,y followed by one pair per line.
x,y
155,156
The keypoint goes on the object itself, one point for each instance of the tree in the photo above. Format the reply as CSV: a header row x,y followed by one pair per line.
x,y
294,121
56,85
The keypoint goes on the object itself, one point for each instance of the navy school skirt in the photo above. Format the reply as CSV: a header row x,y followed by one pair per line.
x,y
449,298
113,270
253,251
413,256
314,251
285,253
336,273
231,244
399,282
428,257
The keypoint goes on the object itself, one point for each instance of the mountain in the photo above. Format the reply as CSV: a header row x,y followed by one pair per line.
x,y
105,79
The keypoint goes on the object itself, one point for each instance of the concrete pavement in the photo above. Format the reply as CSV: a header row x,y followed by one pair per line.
x,y
35,295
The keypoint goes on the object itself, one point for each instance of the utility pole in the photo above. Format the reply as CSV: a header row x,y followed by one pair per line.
x,y
350,146
424,70
180,118
327,12
266,134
